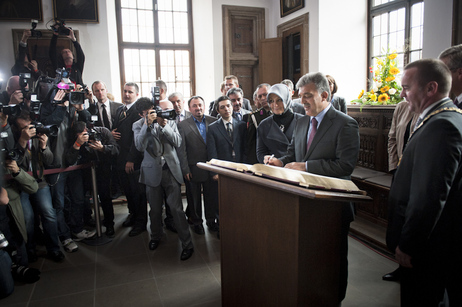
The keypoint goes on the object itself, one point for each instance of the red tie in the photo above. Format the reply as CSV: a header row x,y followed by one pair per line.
x,y
314,127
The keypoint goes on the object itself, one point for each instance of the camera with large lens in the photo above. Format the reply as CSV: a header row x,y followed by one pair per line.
x,y
49,130
33,32
94,135
12,109
75,97
23,82
166,114
60,27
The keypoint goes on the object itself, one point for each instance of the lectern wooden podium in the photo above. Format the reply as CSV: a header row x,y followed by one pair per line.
x,y
279,242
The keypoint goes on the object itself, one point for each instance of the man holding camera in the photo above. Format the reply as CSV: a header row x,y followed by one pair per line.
x,y
96,144
66,58
13,93
23,62
35,155
159,139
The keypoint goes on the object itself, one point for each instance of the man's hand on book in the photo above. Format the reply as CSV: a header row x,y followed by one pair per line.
x,y
271,160
299,166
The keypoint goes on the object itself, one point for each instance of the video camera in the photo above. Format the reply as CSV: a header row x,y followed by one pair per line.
x,y
60,27
33,32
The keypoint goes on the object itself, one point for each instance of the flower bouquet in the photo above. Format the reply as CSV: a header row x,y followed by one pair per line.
x,y
385,88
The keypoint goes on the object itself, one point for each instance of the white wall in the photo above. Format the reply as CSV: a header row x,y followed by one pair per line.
x,y
437,33
337,36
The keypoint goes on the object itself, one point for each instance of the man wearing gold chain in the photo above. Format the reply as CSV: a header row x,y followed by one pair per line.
x,y
425,213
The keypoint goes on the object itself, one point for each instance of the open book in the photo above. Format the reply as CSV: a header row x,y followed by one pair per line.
x,y
295,177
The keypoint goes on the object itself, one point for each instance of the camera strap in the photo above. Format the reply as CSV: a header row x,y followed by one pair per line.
x,y
36,161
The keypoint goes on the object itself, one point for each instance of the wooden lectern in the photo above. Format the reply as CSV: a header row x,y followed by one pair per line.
x,y
279,242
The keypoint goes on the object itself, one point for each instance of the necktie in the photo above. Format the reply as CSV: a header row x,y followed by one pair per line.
x,y
230,131
105,118
239,116
123,114
314,128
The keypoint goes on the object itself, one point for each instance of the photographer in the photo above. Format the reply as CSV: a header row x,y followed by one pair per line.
x,y
96,144
13,93
159,139
58,111
66,58
23,63
13,255
31,144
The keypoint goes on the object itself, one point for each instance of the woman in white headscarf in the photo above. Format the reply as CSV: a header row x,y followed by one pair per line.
x,y
275,132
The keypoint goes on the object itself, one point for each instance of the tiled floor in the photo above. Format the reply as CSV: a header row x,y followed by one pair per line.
x,y
125,272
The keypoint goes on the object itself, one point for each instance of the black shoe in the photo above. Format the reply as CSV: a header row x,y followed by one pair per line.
x,y
199,229
130,221
110,232
56,256
153,244
393,276
171,227
212,226
136,231
187,253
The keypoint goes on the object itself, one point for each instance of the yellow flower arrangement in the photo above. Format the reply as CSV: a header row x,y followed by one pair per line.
x,y
383,82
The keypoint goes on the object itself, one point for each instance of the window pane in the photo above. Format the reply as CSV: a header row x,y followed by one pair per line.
x,y
165,27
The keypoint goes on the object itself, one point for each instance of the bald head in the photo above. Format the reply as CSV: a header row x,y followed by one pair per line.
x,y
165,105
12,85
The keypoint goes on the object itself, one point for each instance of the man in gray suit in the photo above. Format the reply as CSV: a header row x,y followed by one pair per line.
x,y
159,139
326,142
231,81
236,96
193,149
104,108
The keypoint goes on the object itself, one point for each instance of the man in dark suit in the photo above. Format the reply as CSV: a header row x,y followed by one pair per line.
x,y
452,57
193,149
225,137
159,139
104,108
129,161
326,142
425,212
236,96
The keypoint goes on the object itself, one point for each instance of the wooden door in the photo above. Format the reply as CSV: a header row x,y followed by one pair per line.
x,y
270,64
243,28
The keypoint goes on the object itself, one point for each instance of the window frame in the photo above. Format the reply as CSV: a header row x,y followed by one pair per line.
x,y
156,46
385,8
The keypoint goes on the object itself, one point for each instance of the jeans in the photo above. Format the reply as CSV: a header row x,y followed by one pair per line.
x,y
58,185
6,279
42,202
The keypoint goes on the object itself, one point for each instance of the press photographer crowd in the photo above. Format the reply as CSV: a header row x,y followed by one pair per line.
x,y
61,141
53,128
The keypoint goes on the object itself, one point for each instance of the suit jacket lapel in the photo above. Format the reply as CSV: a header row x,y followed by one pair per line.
x,y
193,127
224,133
